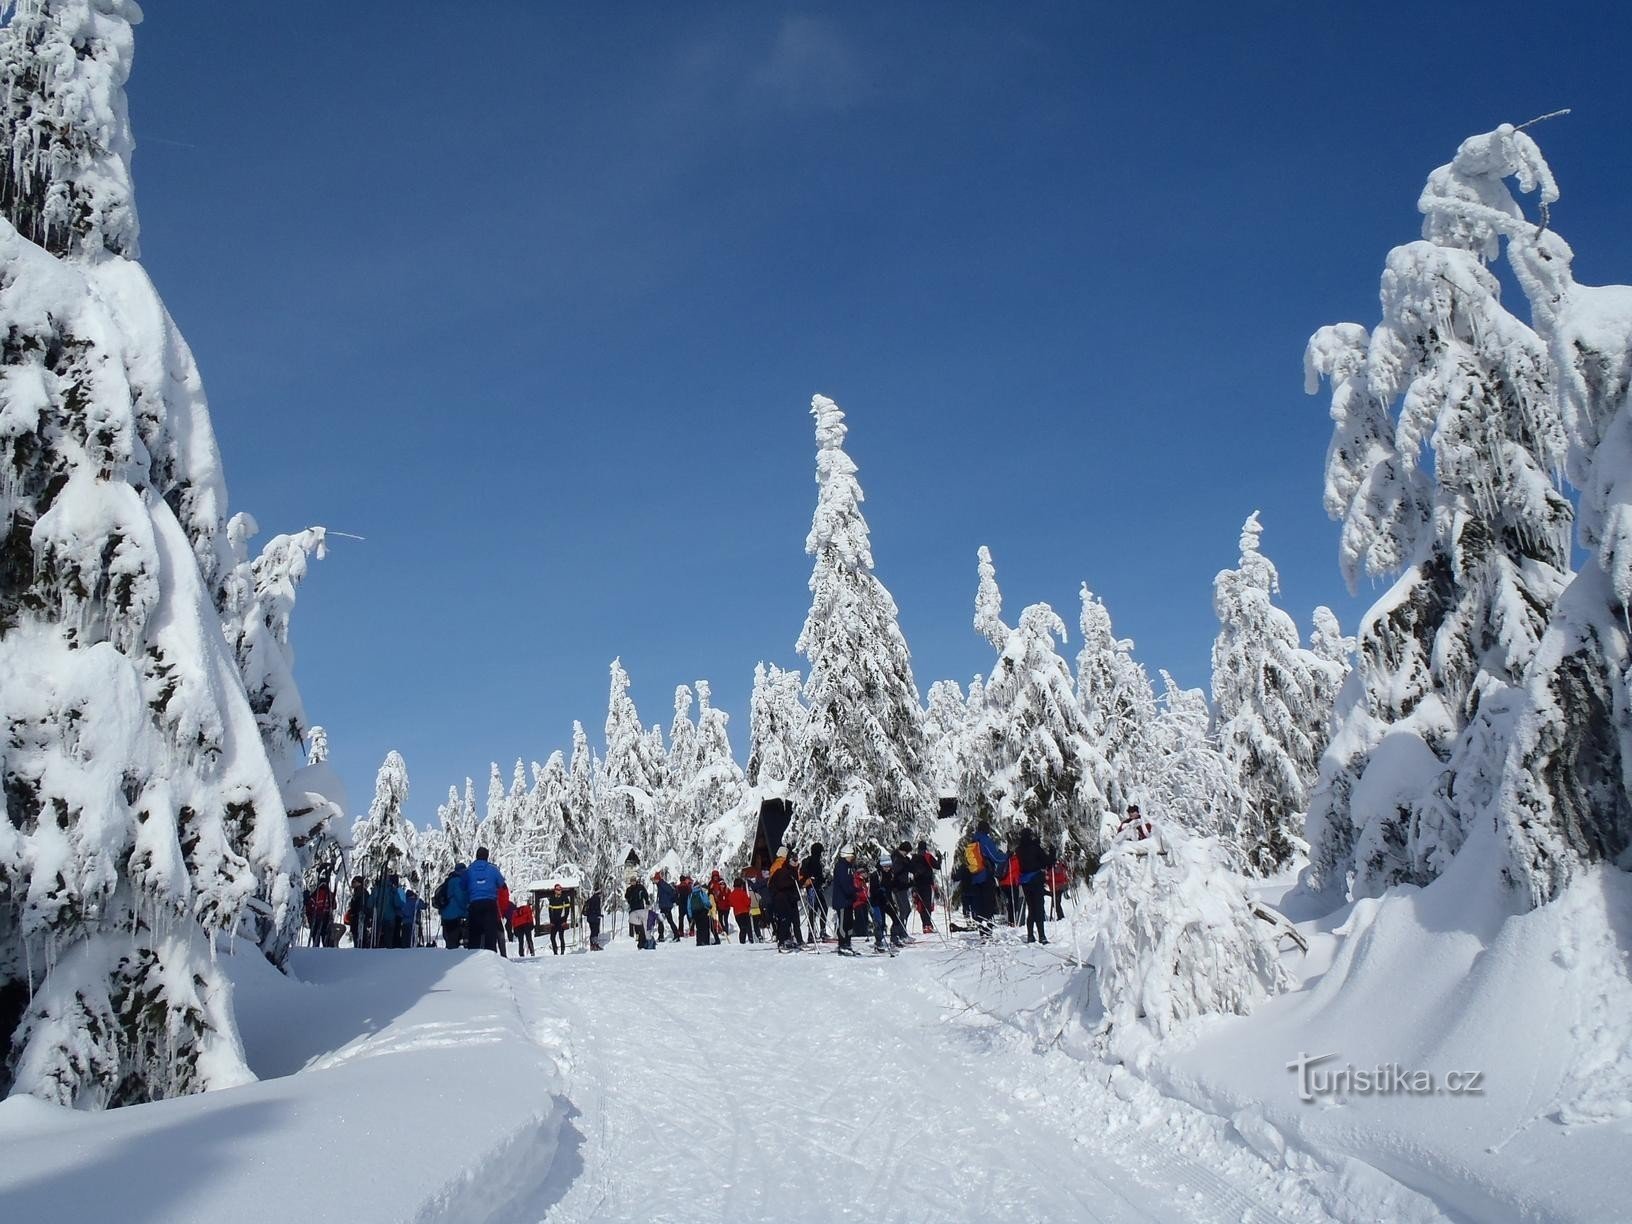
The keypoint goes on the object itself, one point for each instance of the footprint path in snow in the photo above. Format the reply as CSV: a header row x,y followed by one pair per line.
x,y
731,1083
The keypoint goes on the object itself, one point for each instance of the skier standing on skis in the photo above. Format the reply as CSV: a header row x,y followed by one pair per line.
x,y
560,910
784,894
814,874
922,867
741,905
666,898
985,865
1033,877
592,915
483,882
698,907
901,888
844,897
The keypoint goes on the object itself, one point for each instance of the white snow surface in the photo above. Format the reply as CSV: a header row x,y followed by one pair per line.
x,y
954,1081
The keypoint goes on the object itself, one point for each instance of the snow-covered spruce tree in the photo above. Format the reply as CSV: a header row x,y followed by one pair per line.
x,y
1190,783
1446,432
543,830
581,834
142,811
717,789
678,826
383,840
1266,704
258,599
1029,758
1331,659
470,820
861,773
629,785
1174,936
776,725
1119,704
1565,792
449,822
946,732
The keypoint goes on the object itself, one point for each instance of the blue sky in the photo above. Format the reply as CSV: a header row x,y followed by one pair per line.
x,y
535,297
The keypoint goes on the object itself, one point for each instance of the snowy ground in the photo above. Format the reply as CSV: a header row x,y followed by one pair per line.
x,y
952,1082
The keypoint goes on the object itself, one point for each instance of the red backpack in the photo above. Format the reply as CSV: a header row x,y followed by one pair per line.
x,y
861,890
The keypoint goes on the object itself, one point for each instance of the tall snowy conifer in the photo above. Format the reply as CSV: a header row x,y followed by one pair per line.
x,y
1565,791
142,811
580,835
545,828
1454,489
1118,703
716,788
1265,699
776,722
630,782
1029,759
861,773
383,840
946,734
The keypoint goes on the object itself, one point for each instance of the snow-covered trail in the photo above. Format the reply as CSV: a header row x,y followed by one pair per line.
x,y
733,1083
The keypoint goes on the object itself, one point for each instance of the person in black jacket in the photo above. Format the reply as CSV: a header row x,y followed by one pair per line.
x,y
784,895
592,915
814,874
922,866
1033,876
637,899
844,898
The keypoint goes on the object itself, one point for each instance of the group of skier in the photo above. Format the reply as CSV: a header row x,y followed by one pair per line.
x,y
794,901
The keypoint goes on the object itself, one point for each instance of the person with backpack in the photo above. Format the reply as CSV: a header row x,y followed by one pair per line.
x,y
844,898
592,915
521,926
1033,867
985,865
637,899
813,874
682,903
1059,882
1009,878
482,884
452,902
667,896
922,867
901,889
698,907
560,907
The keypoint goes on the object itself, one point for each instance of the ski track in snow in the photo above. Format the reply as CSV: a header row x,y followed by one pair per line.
x,y
735,1083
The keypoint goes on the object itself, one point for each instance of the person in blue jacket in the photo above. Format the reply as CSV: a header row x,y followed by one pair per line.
x,y
452,901
668,896
983,883
844,898
482,884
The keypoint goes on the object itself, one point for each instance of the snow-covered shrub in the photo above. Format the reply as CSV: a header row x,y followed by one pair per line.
x,y
1173,935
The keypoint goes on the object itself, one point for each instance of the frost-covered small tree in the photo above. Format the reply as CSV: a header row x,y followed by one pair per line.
x,y
678,824
861,773
1266,702
1174,936
1029,758
1447,432
1189,783
142,811
1331,659
449,820
1118,703
383,839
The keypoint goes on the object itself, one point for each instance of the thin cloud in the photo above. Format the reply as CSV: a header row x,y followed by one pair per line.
x,y
811,67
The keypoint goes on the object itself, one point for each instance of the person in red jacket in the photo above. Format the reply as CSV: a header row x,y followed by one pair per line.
x,y
1010,883
722,901
741,904
521,924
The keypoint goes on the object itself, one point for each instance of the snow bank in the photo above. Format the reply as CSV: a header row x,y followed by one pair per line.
x,y
1445,980
395,1086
